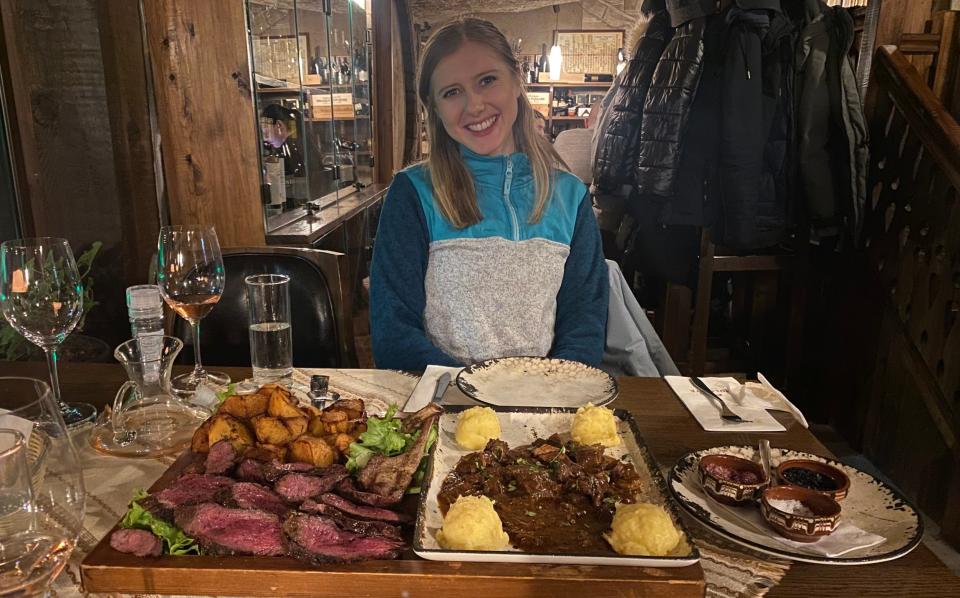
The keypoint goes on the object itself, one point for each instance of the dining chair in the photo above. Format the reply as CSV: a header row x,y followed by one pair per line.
x,y
321,308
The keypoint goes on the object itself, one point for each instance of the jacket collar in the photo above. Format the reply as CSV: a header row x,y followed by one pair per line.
x,y
491,169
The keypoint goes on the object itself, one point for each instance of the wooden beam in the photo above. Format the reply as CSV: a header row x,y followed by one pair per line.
x,y
383,90
919,43
204,98
125,75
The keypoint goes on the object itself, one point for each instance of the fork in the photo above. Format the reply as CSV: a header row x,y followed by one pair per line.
x,y
725,412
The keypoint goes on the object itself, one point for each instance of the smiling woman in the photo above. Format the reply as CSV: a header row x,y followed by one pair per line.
x,y
489,248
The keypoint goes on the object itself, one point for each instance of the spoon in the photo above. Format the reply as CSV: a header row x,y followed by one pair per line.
x,y
765,461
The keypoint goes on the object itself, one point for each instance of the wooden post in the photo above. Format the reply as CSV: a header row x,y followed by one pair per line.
x,y
383,92
201,76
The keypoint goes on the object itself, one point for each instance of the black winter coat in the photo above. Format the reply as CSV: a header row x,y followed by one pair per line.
x,y
667,110
615,162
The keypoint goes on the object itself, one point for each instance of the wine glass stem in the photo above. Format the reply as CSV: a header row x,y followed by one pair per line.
x,y
51,353
198,365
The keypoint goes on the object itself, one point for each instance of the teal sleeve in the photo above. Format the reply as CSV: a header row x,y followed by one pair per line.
x,y
397,296
581,326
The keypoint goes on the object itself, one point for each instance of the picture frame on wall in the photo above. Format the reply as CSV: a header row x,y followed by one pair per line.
x,y
277,57
588,51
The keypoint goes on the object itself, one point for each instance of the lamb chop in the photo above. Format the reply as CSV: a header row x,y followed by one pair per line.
x,y
390,476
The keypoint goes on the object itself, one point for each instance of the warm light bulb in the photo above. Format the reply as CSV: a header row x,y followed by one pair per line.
x,y
556,62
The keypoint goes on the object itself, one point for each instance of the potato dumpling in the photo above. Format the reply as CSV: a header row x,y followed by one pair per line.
x,y
244,406
595,425
642,529
475,427
227,427
472,524
313,450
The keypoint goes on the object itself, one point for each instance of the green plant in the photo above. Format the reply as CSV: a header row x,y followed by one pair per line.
x,y
14,347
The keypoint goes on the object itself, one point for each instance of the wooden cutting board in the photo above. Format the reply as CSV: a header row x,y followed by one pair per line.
x,y
107,571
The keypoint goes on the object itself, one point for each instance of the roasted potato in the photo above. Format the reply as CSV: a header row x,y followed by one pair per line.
x,y
277,452
201,439
342,442
245,406
280,405
313,450
227,427
311,411
296,425
271,430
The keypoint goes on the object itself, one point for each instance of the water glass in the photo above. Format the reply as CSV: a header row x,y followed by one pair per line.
x,y
42,496
271,338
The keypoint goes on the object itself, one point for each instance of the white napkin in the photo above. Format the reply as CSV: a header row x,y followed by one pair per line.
x,y
846,538
423,393
707,412
13,422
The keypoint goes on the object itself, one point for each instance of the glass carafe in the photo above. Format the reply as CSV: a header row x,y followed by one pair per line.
x,y
147,419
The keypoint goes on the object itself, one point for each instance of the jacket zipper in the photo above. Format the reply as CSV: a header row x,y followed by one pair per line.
x,y
508,177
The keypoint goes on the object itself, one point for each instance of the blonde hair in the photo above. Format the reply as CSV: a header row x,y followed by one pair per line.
x,y
453,188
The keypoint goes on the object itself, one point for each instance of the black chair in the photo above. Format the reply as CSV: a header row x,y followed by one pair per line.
x,y
321,309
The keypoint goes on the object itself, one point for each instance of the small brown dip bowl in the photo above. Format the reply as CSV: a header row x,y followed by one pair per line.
x,y
817,476
818,515
731,480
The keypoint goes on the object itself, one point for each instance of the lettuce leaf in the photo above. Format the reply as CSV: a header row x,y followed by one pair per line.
x,y
383,436
174,540
229,391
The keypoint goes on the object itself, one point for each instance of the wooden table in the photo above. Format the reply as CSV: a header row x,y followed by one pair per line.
x,y
670,432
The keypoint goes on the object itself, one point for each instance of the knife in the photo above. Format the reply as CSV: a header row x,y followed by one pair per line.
x,y
442,383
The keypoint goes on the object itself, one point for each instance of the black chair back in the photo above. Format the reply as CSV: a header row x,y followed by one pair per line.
x,y
320,310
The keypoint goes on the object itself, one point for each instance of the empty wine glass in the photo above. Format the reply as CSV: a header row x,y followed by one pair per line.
x,y
42,298
191,278
42,496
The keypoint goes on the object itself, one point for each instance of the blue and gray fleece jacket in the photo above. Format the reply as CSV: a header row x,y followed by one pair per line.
x,y
501,287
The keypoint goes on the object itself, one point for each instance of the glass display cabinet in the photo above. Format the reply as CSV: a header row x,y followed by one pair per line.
x,y
311,67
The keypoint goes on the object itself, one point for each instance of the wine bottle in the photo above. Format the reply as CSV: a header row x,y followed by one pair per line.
x,y
544,61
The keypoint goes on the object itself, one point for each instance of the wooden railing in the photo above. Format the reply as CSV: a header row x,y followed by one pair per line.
x,y
909,403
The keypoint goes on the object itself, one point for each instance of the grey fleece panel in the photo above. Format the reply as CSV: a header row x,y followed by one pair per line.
x,y
493,297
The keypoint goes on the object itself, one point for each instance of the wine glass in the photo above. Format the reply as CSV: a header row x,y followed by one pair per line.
x,y
191,278
42,298
42,496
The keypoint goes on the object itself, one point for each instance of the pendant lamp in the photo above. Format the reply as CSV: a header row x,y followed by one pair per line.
x,y
556,55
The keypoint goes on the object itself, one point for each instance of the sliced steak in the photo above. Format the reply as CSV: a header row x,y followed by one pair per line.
x,y
276,470
298,487
251,470
221,458
138,542
317,539
192,489
362,512
247,495
223,531
390,476
357,526
347,488
153,506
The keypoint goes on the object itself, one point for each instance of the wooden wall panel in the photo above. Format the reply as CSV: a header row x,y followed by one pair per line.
x,y
201,77
894,344
75,89
125,74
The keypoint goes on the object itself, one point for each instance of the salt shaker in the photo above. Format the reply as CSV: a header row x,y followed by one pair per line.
x,y
320,393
